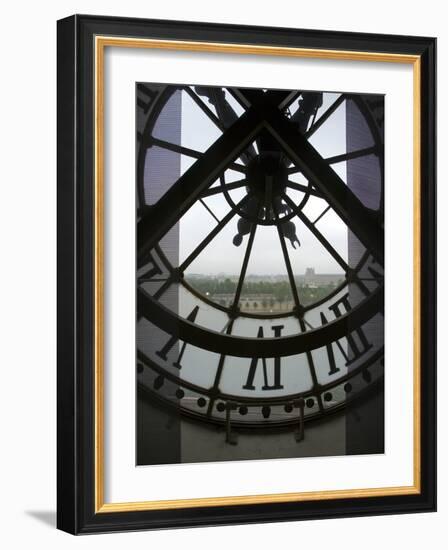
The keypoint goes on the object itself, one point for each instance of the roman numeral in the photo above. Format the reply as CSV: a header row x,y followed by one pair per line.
x,y
375,274
145,97
356,347
249,385
333,368
153,269
163,353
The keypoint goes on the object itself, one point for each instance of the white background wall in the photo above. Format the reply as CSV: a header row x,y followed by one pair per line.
x,y
27,273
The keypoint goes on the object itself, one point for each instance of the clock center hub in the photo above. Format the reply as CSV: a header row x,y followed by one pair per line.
x,y
267,177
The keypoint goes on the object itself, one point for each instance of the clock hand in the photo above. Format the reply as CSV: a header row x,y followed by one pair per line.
x,y
244,226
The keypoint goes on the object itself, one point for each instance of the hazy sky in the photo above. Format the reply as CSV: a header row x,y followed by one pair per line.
x,y
221,256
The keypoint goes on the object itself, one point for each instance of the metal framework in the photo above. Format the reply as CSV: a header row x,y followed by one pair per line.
x,y
267,145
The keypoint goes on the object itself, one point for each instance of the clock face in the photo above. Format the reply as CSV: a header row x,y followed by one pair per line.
x,y
260,255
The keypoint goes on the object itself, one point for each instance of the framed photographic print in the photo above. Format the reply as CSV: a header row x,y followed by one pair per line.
x,y
246,274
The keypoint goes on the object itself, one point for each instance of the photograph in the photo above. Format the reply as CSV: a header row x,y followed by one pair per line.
x,y
259,248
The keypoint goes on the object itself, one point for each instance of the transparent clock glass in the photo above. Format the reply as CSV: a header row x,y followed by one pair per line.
x,y
259,273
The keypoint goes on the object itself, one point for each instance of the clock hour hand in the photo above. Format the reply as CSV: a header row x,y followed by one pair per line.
x,y
244,226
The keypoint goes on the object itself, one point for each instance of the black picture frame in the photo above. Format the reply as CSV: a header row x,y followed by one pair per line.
x,y
77,510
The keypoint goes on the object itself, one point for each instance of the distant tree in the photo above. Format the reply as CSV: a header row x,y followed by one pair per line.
x,y
228,286
276,293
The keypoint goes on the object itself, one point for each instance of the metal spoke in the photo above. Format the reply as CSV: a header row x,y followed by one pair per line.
x,y
240,97
205,108
342,158
352,155
292,281
210,236
309,355
325,116
237,167
321,215
247,254
229,187
316,233
187,151
304,188
209,210
174,147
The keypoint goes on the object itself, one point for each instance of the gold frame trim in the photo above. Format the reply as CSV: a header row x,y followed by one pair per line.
x,y
101,42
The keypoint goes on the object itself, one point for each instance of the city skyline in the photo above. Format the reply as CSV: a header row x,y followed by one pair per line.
x,y
227,273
